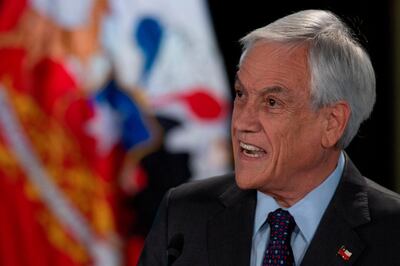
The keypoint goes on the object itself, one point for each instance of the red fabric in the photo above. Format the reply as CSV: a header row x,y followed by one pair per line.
x,y
13,68
10,13
133,250
23,241
140,178
52,84
203,105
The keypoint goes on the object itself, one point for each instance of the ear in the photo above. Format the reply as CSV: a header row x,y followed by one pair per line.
x,y
336,119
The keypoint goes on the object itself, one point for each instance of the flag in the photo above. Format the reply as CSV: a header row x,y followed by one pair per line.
x,y
344,253
58,182
168,50
104,105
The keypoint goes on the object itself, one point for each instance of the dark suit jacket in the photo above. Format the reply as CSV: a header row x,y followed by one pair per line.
x,y
215,219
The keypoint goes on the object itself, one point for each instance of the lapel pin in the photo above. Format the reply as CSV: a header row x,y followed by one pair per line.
x,y
344,253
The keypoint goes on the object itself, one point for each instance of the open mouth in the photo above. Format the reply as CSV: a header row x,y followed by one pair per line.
x,y
251,150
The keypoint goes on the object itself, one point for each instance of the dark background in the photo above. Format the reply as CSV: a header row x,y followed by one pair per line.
x,y
373,148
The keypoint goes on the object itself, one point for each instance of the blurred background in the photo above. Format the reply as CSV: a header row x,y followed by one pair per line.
x,y
106,104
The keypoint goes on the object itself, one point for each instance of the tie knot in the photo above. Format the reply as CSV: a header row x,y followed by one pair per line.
x,y
281,220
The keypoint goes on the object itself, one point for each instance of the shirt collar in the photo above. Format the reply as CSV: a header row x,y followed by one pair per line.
x,y
308,211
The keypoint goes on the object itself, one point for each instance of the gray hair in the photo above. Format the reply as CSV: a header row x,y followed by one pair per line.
x,y
340,67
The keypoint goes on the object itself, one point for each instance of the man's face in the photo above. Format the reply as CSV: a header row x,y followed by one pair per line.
x,y
276,135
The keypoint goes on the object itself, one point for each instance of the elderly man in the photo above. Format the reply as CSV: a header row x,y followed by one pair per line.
x,y
303,87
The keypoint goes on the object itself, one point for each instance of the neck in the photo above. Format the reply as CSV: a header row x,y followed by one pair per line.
x,y
289,196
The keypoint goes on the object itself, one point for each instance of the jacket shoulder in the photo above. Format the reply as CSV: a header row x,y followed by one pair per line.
x,y
382,200
209,188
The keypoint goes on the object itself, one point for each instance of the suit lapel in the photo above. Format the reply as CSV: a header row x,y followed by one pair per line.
x,y
347,210
230,231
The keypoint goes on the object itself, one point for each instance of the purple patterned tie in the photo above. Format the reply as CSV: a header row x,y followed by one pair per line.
x,y
278,251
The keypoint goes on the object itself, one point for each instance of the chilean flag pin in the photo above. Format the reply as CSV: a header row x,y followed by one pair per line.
x,y
344,253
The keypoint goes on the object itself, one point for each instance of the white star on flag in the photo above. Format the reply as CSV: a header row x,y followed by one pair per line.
x,y
104,127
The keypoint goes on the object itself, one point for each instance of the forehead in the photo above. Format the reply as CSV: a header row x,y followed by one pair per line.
x,y
269,64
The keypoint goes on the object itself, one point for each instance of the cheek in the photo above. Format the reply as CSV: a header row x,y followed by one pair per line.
x,y
276,129
304,136
288,137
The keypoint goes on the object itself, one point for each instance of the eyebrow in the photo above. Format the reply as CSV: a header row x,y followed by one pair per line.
x,y
273,89
266,90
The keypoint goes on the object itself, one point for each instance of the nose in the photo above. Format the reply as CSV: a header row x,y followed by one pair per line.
x,y
245,118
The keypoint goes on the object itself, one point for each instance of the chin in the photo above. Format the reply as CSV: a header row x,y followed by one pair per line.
x,y
245,182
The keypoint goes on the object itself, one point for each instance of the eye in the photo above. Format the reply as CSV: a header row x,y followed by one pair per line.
x,y
271,102
238,93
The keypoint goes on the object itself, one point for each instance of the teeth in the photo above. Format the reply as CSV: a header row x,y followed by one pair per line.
x,y
250,147
251,150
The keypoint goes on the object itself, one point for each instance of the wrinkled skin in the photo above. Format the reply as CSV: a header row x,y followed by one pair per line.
x,y
281,145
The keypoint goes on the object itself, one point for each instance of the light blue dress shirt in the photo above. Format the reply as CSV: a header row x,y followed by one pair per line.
x,y
307,213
